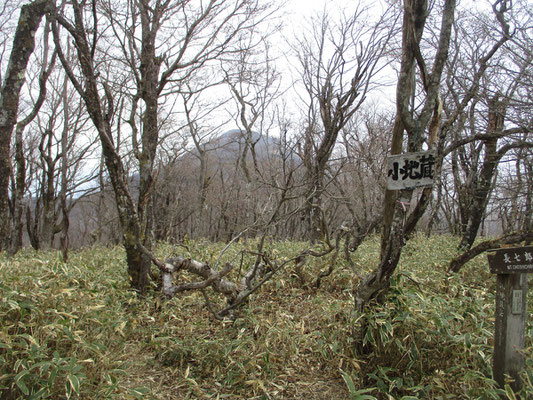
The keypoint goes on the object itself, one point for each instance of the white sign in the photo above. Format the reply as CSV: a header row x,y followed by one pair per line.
x,y
410,170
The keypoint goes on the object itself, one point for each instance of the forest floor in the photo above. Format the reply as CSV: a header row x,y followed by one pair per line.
x,y
75,330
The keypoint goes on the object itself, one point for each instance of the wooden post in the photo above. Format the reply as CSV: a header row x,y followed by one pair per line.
x,y
509,335
511,266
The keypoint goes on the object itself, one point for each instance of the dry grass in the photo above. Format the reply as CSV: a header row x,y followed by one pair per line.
x,y
76,331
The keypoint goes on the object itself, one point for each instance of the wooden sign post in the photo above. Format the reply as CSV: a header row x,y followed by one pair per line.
x,y
512,266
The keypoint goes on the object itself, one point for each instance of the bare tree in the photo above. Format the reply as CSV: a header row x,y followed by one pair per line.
x,y
495,128
337,72
23,45
160,45
506,129
413,121
513,197
58,146
19,184
254,84
361,182
199,106
472,50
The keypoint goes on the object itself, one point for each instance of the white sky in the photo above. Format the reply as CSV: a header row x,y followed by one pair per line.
x,y
297,19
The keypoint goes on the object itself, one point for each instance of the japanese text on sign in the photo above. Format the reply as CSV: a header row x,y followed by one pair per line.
x,y
407,171
512,259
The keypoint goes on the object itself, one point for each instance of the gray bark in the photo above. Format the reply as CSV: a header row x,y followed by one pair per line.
x,y
20,160
138,264
398,225
481,187
23,46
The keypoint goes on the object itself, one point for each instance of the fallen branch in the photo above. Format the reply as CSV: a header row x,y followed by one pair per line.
x,y
511,238
266,277
236,293
211,277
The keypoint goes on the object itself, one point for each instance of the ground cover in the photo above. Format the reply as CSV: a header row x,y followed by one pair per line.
x,y
75,330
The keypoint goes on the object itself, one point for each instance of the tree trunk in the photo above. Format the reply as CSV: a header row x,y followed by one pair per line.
x,y
527,224
131,221
138,267
398,225
315,226
32,224
20,188
483,185
64,175
23,45
20,176
48,221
